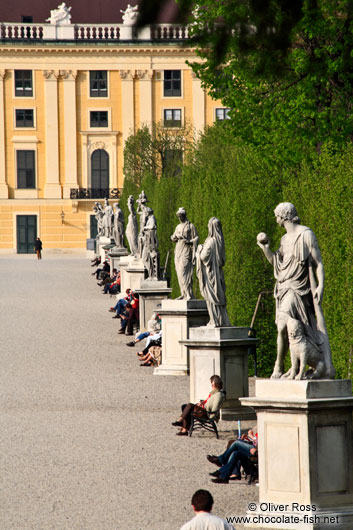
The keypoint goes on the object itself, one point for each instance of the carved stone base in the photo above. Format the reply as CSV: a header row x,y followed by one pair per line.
x,y
178,316
102,242
151,292
221,351
305,452
132,273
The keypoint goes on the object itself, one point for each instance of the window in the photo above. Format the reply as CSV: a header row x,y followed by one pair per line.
x,y
25,169
99,118
27,19
172,83
98,86
24,118
23,83
172,162
222,114
172,117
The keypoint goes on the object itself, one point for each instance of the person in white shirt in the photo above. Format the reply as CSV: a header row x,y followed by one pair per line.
x,y
202,502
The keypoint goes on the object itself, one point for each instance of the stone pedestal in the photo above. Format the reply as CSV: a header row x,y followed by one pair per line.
x,y
151,292
305,453
132,273
178,316
102,242
114,256
221,351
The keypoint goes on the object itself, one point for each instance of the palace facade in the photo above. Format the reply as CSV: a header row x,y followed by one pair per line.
x,y
70,95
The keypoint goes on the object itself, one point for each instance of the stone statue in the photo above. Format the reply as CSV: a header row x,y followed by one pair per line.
x,y
210,259
132,229
299,290
186,239
130,15
60,16
98,210
118,227
142,211
150,255
108,219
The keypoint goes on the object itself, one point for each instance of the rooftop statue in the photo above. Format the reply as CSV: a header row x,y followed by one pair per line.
x,y
130,15
60,16
210,260
300,276
186,239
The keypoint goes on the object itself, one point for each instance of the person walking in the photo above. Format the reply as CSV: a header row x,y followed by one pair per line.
x,y
38,248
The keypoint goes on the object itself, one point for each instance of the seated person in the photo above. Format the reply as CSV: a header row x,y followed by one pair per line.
x,y
114,285
133,317
96,261
153,326
124,316
121,303
204,408
236,456
102,272
146,354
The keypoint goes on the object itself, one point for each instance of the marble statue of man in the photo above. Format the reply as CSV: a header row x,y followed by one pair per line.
x,y
299,290
186,239
142,212
98,210
118,228
60,16
108,219
131,228
150,256
210,260
130,15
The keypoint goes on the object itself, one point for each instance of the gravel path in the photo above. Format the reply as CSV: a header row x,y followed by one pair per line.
x,y
86,441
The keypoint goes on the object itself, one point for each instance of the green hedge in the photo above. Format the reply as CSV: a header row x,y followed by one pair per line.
x,y
232,181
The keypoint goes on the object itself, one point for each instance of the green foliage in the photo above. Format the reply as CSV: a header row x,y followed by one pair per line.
x,y
292,88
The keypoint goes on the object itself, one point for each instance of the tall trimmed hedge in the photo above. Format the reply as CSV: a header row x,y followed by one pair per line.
x,y
232,181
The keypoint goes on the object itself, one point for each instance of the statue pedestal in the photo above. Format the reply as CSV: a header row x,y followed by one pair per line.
x,y
102,242
305,452
221,351
132,273
178,316
114,255
151,292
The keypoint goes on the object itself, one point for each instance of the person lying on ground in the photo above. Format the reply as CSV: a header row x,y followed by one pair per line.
x,y
234,457
203,408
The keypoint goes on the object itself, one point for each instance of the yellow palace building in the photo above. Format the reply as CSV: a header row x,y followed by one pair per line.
x,y
70,95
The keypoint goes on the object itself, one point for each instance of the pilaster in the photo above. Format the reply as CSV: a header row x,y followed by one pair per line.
x,y
4,192
70,128
198,103
127,91
52,188
146,105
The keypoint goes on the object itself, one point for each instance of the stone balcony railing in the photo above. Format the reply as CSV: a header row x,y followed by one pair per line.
x,y
12,31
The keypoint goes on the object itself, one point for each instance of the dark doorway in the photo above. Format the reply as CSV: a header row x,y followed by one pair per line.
x,y
26,233
100,173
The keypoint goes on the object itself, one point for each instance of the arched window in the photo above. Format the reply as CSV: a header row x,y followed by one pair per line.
x,y
100,172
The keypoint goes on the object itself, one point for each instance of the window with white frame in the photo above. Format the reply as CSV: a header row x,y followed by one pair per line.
x,y
98,84
23,83
172,83
98,118
172,117
24,118
222,114
25,160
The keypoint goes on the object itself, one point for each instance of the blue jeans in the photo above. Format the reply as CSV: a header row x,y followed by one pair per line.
x,y
230,459
143,335
119,306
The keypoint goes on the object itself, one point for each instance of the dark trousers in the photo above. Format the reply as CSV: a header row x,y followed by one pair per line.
x,y
187,410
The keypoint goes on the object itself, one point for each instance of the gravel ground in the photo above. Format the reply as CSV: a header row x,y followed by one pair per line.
x,y
86,441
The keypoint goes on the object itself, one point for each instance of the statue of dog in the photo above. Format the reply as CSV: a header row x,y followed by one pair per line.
x,y
302,352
